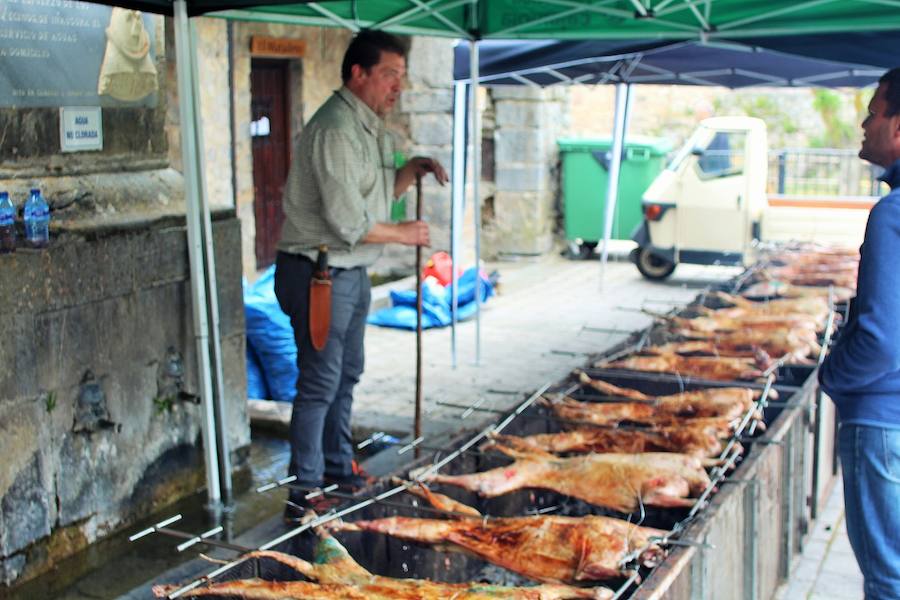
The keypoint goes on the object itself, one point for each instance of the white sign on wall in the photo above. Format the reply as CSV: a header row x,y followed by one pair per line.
x,y
80,128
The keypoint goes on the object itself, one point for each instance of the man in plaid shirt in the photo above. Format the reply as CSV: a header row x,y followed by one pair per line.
x,y
338,193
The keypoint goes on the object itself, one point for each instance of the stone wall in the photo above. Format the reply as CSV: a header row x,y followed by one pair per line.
x,y
520,217
215,113
312,80
423,126
98,424
101,386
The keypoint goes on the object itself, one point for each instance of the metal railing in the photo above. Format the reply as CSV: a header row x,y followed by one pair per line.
x,y
821,172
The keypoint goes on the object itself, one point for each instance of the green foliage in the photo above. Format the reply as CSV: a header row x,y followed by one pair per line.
x,y
50,402
164,404
838,133
767,109
780,121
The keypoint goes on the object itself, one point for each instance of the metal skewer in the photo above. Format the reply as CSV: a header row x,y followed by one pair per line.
x,y
163,527
393,504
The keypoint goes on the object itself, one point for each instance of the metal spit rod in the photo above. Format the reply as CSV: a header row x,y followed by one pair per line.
x,y
475,406
371,440
364,503
326,518
826,341
739,430
611,330
192,539
154,528
667,378
632,579
417,507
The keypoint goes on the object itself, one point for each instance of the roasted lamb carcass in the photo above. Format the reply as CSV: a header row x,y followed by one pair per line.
x,y
719,368
608,416
718,323
811,260
703,438
341,577
814,306
726,402
777,289
261,589
548,548
819,276
618,481
795,351
796,344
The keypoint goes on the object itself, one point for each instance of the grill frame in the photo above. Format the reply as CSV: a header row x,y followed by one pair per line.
x,y
787,471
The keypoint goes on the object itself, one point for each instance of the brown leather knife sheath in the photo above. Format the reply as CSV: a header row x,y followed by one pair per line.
x,y
320,301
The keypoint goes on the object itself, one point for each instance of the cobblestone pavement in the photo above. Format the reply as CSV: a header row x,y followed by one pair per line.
x,y
548,317
827,569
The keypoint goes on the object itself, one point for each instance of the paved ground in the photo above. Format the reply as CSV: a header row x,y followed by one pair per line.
x,y
827,569
548,317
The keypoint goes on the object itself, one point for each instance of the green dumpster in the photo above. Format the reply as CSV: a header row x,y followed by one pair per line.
x,y
585,174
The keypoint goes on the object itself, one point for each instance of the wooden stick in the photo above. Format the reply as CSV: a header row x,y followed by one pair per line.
x,y
418,418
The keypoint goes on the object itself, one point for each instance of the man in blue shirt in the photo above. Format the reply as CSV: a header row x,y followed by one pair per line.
x,y
862,372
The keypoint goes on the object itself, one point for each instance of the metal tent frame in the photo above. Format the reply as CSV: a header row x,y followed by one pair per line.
x,y
472,20
545,63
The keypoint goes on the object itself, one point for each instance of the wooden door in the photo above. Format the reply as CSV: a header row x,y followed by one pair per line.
x,y
270,131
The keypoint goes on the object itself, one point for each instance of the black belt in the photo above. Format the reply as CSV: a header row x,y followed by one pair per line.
x,y
306,259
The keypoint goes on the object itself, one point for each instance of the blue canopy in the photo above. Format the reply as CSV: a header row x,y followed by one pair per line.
x,y
810,60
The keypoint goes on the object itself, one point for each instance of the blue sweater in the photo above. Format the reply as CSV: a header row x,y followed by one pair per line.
x,y
862,371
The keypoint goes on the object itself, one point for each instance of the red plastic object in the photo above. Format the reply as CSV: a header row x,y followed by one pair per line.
x,y
439,266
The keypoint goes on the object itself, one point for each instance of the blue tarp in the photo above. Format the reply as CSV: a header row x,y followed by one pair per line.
x,y
270,342
809,60
435,304
256,381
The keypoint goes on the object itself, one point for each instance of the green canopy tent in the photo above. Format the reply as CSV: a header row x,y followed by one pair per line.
x,y
472,20
586,19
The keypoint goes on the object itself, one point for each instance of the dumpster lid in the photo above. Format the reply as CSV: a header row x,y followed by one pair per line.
x,y
654,145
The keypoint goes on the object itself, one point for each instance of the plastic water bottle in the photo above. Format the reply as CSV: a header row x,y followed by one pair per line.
x,y
7,224
37,220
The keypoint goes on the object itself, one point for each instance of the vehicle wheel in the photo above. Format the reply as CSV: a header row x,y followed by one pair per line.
x,y
653,266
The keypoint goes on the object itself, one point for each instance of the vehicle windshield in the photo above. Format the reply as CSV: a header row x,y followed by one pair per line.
x,y
698,138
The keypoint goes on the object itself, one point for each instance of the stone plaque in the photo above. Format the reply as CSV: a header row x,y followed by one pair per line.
x,y
64,53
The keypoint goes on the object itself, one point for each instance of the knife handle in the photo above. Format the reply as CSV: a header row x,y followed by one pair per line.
x,y
322,259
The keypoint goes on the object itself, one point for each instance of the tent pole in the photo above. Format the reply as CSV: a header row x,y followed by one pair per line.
x,y
623,91
457,203
221,420
189,153
475,120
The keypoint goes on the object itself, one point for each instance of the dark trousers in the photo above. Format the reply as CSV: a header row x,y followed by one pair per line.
x,y
321,441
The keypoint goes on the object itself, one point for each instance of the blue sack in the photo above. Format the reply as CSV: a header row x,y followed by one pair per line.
x,y
436,303
271,337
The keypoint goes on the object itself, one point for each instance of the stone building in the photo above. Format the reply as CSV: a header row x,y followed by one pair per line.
x,y
99,423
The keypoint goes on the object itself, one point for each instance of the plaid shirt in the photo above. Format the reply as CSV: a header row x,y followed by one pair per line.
x,y
340,183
